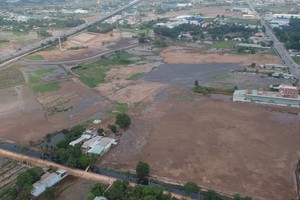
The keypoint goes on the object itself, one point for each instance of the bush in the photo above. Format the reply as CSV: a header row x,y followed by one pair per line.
x,y
191,187
123,120
112,127
100,131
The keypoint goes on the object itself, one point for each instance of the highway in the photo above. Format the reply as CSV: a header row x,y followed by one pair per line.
x,y
33,47
279,47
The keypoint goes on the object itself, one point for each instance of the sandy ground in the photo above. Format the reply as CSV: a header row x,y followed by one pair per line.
x,y
177,54
210,12
230,147
93,39
118,89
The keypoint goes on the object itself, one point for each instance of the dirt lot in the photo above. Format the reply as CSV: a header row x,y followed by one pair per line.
x,y
93,39
210,12
118,88
230,147
36,121
65,189
94,42
178,54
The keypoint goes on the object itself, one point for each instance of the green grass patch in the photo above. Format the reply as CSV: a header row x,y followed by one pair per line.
x,y
48,87
135,77
34,57
92,76
34,79
296,59
223,44
122,107
93,73
42,72
11,76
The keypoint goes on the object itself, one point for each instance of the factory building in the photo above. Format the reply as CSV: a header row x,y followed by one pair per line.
x,y
286,96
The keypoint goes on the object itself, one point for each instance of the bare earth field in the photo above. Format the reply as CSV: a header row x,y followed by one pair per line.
x,y
94,42
118,88
230,147
178,54
33,123
205,11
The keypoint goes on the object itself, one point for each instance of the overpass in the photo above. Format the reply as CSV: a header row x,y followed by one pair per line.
x,y
6,58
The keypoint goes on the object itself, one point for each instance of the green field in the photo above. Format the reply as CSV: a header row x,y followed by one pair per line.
x,y
10,77
34,79
93,73
297,59
223,44
34,57
42,72
48,87
92,76
135,77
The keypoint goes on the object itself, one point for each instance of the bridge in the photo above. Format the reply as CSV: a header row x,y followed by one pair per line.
x,y
7,58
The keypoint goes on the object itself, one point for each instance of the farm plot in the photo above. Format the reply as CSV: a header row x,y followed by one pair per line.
x,y
41,74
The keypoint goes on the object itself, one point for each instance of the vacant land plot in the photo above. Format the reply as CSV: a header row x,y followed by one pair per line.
x,y
177,54
10,77
37,74
64,190
210,12
93,73
243,21
230,147
223,44
118,88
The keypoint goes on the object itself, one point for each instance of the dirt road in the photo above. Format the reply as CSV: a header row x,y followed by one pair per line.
x,y
75,172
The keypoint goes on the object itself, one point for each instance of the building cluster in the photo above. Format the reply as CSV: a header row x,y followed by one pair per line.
x,y
285,96
184,19
280,20
92,143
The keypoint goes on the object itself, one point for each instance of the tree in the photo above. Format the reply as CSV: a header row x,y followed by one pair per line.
x,y
85,161
123,120
100,131
191,187
50,193
142,170
72,161
196,83
253,65
98,189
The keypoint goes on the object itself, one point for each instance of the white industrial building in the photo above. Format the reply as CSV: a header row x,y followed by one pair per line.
x,y
47,180
102,146
88,134
286,16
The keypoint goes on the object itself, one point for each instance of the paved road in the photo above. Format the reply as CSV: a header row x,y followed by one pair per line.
x,y
74,61
279,47
31,48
